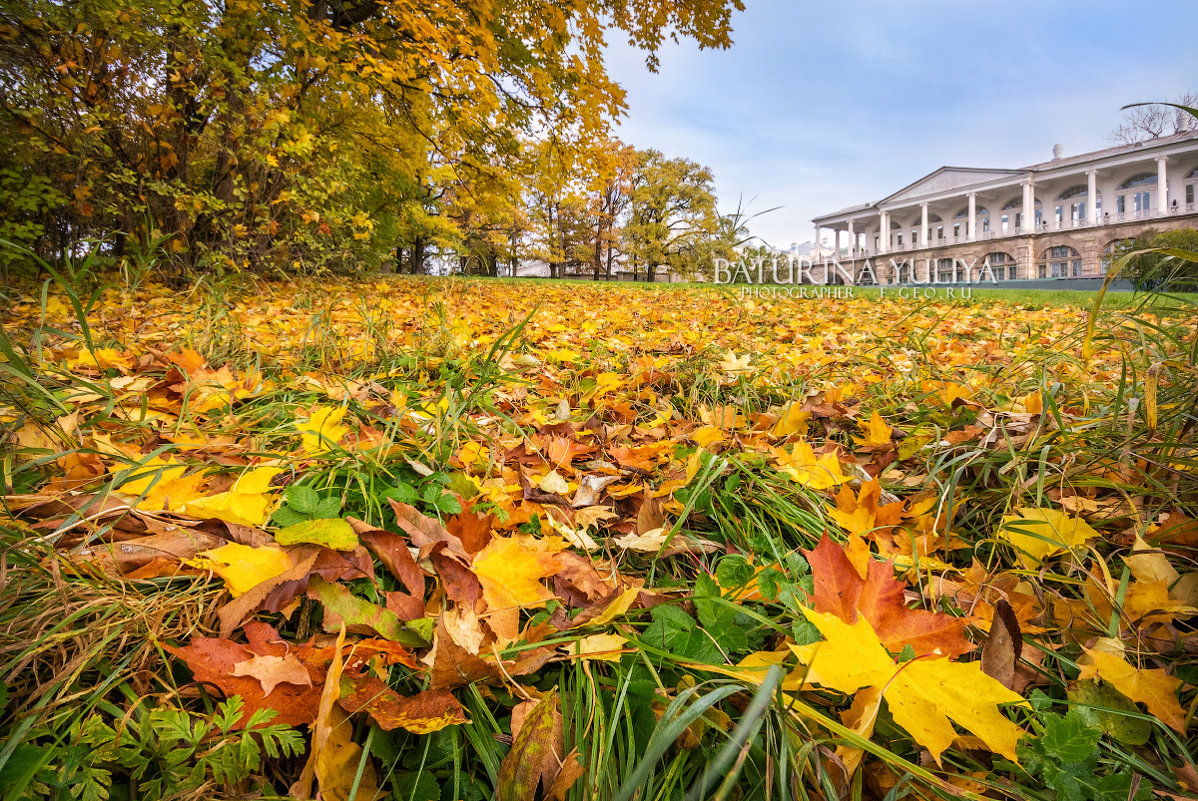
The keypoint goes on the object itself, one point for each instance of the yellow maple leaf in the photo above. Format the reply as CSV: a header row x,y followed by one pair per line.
x,y
1151,687
247,503
603,647
793,420
734,365
816,473
1040,533
510,570
877,433
925,696
159,484
241,566
321,432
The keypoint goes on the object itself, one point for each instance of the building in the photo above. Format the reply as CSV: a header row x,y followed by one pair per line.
x,y
1056,220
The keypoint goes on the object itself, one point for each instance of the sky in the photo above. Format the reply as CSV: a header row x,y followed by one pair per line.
x,y
824,104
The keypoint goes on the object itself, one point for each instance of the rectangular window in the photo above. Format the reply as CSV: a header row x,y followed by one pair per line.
x,y
1004,223
1121,204
1018,220
1189,194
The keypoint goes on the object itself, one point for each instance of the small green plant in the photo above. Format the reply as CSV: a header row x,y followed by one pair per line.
x,y
302,503
164,752
435,494
1066,758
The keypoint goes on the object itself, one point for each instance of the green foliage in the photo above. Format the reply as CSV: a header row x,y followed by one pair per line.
x,y
1165,260
1066,757
303,503
306,137
434,495
677,633
165,752
672,213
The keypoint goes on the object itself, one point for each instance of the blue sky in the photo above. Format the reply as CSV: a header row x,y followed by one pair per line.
x,y
824,104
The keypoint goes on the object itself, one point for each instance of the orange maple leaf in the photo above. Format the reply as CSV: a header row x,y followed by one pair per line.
x,y
880,599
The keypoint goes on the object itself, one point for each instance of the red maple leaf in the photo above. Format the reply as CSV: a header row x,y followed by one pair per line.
x,y
839,589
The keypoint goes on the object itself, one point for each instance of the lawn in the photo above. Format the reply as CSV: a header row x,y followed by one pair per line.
x,y
440,538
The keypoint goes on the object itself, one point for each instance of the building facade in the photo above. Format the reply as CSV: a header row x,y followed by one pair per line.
x,y
1058,219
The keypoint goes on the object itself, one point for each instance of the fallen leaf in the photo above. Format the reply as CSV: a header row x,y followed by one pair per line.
x,y
344,609
248,502
334,757
1040,533
243,567
804,467
392,551
535,759
880,599
1152,687
423,713
510,570
331,532
923,695
1000,654
214,661
274,670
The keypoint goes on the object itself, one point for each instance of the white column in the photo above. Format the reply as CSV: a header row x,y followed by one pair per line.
x,y
815,249
923,224
884,238
1029,207
1162,186
1092,197
971,231
852,239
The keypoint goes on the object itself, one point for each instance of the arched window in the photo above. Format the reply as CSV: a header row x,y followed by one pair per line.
x,y
1002,266
1061,261
1013,222
961,221
945,271
1138,201
1142,179
1077,190
1071,204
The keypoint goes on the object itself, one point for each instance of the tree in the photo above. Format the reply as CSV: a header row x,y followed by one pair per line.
x,y
1175,270
671,212
1143,122
609,201
245,130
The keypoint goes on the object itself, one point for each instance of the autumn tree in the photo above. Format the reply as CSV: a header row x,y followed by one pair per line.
x,y
247,132
609,201
671,213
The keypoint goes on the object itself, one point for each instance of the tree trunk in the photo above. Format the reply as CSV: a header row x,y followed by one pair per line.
x,y
598,250
417,264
